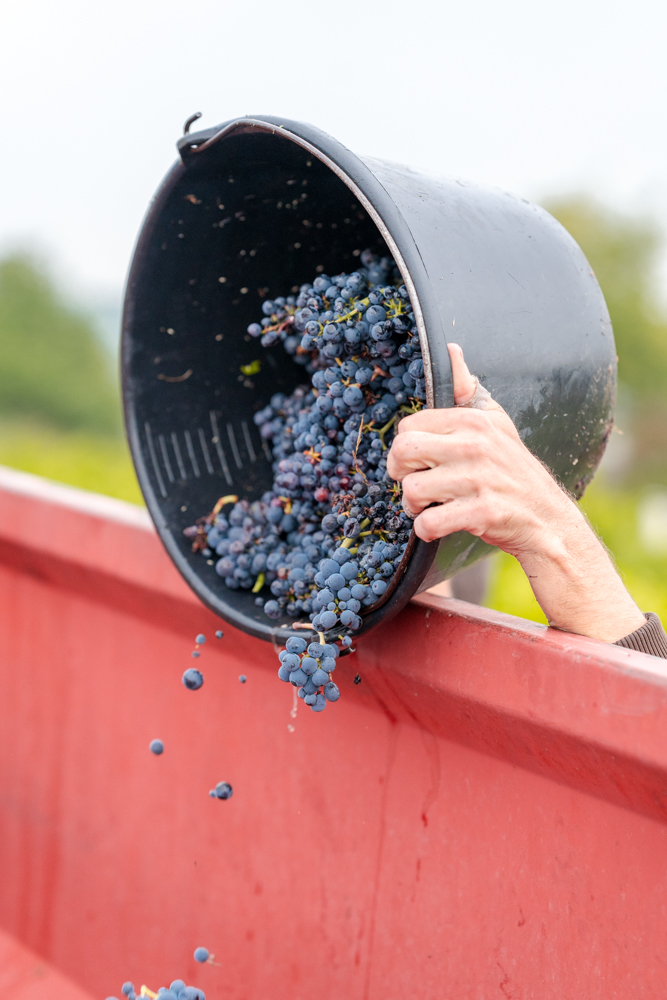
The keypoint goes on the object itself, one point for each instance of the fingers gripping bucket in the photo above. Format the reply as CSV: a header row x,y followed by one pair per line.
x,y
256,207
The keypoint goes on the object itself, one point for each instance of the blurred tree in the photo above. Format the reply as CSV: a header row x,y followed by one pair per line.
x,y
52,367
623,252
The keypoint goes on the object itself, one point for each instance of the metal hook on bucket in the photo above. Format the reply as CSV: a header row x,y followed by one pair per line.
x,y
193,118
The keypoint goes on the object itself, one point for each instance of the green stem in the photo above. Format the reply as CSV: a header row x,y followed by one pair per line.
x,y
384,430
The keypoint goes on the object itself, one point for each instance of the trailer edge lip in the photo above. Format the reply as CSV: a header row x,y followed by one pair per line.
x,y
585,713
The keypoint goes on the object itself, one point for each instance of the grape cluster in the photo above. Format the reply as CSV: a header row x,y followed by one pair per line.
x,y
331,535
176,991
309,669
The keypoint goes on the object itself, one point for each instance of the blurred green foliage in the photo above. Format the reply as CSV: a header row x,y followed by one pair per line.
x,y
52,367
59,397
623,251
97,462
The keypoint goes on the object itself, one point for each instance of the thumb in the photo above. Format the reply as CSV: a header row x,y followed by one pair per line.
x,y
464,383
467,390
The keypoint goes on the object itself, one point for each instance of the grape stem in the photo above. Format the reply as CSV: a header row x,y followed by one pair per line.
x,y
383,430
216,510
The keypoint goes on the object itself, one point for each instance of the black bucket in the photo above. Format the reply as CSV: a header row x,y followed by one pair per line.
x,y
256,207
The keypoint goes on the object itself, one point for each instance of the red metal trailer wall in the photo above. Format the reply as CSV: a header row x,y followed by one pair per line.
x,y
484,815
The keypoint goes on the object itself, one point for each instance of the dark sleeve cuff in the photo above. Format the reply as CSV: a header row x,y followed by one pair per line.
x,y
649,638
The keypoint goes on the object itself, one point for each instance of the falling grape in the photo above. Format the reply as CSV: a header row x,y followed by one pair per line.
x,y
193,679
223,790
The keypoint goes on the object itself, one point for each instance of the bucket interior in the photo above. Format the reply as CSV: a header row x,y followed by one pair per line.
x,y
257,217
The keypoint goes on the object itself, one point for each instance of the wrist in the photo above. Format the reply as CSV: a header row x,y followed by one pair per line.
x,y
557,531
575,581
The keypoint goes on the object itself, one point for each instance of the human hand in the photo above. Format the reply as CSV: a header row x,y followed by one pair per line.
x,y
474,466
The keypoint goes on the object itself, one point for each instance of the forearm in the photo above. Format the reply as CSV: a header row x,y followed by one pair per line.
x,y
575,582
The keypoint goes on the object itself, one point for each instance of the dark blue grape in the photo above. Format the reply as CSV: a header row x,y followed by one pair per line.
x,y
201,955
223,790
127,988
375,314
290,660
329,524
308,665
193,679
364,375
242,678
201,638
331,692
353,395
156,747
219,634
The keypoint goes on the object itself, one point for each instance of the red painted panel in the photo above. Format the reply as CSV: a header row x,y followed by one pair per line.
x,y
25,976
482,816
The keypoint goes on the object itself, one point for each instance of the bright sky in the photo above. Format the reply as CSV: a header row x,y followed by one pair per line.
x,y
535,96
